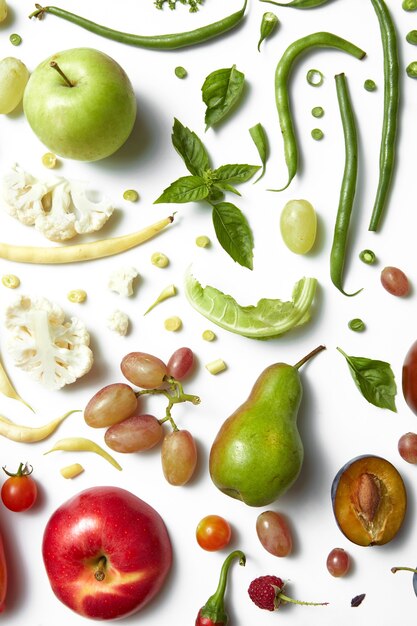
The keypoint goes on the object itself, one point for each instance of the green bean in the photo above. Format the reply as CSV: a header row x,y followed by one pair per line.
x,y
158,42
298,4
391,105
348,187
282,73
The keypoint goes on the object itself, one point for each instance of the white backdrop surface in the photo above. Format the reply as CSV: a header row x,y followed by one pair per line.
x,y
335,421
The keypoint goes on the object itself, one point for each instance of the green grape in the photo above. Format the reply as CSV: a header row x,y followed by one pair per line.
x,y
298,225
13,78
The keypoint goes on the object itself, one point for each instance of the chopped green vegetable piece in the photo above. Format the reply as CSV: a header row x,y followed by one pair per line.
x,y
409,5
78,296
268,25
168,292
315,78
11,281
367,256
411,69
173,323
317,134
202,241
260,140
49,160
412,37
357,325
217,366
15,39
131,195
180,72
369,84
317,111
269,318
172,4
208,335
159,259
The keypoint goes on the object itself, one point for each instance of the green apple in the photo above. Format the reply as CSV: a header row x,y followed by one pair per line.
x,y
80,103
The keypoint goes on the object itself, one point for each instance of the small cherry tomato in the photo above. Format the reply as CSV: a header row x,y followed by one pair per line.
x,y
213,533
19,491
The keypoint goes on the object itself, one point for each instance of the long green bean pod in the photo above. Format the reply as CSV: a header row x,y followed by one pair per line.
x,y
348,187
282,74
391,106
299,4
157,42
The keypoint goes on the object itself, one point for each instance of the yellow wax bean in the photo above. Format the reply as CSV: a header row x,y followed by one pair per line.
x,y
83,251
7,389
80,444
71,471
30,434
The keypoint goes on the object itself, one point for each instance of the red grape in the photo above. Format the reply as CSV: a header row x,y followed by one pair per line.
x,y
338,562
110,405
274,533
178,456
180,363
136,433
395,281
143,370
407,447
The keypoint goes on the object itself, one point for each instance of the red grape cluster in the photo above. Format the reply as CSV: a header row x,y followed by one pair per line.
x,y
115,407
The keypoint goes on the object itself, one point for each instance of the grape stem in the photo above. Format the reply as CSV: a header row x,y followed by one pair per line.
x,y
174,394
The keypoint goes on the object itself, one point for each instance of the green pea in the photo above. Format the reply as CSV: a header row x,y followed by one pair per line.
x,y
180,72
412,37
411,69
409,5
317,134
317,112
315,78
369,84
357,325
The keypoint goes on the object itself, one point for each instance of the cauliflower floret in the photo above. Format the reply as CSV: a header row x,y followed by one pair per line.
x,y
59,208
121,280
52,350
118,321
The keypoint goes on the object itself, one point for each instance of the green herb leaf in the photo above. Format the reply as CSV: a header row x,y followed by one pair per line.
x,y
185,189
374,379
223,186
221,90
269,318
234,233
190,148
235,173
260,140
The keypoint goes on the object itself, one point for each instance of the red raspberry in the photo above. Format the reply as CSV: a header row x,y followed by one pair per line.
x,y
264,592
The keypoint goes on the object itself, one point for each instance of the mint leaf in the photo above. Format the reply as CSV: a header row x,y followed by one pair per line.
x,y
185,189
260,140
221,90
374,379
190,148
236,173
234,233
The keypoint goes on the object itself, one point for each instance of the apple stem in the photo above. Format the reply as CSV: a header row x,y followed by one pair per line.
x,y
56,67
100,574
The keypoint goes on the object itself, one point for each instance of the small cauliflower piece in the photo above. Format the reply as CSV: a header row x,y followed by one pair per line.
x,y
59,208
121,280
53,350
118,322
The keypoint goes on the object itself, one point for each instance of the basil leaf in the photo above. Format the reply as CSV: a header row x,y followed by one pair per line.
x,y
234,233
374,379
260,140
267,319
235,173
190,148
224,186
185,189
221,90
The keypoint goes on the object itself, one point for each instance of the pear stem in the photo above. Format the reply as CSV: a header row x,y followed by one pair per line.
x,y
56,67
406,569
309,356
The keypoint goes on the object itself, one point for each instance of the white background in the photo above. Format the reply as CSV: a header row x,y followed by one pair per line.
x,y
335,421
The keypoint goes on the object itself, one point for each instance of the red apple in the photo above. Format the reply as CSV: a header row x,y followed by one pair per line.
x,y
106,553
3,576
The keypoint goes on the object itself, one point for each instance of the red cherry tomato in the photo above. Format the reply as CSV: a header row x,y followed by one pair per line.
x,y
213,533
19,491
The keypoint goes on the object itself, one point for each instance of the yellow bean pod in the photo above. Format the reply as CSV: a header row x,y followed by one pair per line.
x,y
81,444
83,251
7,389
30,434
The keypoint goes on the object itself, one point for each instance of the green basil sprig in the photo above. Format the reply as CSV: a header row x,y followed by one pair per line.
x,y
374,379
221,91
231,226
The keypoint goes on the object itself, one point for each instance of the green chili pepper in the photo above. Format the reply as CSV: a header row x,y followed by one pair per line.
x,y
391,104
298,4
412,37
158,42
268,25
282,74
411,69
348,187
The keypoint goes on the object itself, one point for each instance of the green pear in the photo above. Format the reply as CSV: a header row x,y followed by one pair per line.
x,y
258,453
